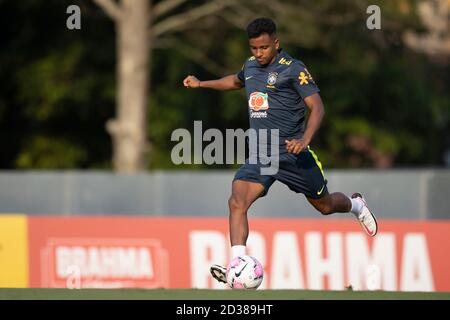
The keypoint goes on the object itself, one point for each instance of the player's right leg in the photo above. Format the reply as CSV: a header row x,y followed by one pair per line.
x,y
243,194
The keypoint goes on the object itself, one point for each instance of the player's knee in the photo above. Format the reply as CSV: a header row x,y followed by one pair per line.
x,y
325,209
323,206
236,205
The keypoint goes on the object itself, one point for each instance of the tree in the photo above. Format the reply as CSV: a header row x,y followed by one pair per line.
x,y
387,105
138,27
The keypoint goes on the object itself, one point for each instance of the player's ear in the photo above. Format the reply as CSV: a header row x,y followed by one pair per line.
x,y
277,43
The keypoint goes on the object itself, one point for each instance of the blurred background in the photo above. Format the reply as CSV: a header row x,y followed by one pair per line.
x,y
103,93
91,91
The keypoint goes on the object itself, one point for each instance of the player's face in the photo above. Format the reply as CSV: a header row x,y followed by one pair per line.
x,y
264,48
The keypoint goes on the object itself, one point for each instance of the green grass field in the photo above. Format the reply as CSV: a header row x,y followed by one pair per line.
x,y
197,294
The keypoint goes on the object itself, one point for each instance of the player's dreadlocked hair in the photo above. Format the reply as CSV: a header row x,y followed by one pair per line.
x,y
260,26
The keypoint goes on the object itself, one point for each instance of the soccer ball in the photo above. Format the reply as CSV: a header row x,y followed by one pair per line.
x,y
244,272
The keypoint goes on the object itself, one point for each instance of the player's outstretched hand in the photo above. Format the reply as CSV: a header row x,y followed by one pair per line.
x,y
295,146
191,82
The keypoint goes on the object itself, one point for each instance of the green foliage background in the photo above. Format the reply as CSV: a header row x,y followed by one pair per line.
x,y
386,105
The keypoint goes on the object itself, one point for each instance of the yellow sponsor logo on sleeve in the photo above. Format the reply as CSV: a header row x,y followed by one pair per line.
x,y
13,251
303,78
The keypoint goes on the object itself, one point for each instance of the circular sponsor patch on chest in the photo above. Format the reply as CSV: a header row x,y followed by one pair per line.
x,y
258,101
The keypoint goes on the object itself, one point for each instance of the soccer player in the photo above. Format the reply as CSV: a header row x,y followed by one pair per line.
x,y
279,89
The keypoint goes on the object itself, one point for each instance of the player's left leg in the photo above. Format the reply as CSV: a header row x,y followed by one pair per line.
x,y
303,174
331,203
339,202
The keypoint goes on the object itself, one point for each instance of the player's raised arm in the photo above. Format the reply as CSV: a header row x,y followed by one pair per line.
x,y
231,82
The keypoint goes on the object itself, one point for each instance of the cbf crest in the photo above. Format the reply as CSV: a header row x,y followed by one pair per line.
x,y
272,79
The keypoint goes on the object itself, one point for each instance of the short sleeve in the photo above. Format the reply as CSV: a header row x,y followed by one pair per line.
x,y
302,80
241,74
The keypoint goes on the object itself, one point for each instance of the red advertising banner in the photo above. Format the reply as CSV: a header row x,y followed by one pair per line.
x,y
323,253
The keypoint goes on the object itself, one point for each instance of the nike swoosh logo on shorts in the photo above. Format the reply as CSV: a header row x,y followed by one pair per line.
x,y
320,191
246,78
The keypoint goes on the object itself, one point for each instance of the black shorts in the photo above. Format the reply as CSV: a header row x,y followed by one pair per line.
x,y
302,173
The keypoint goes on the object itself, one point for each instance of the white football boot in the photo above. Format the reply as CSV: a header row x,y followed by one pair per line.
x,y
366,217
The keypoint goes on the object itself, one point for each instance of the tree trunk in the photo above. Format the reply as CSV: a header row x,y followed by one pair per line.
x,y
128,130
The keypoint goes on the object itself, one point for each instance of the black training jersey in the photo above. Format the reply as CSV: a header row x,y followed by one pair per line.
x,y
275,94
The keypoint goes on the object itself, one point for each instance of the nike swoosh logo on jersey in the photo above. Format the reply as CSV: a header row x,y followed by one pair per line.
x,y
247,78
